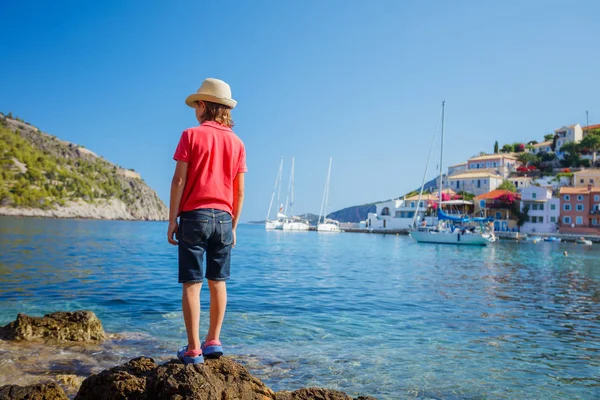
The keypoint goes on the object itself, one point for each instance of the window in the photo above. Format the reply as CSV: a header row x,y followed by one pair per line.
x,y
478,183
498,215
487,164
542,207
534,206
421,204
485,181
534,220
579,221
385,211
567,207
579,207
412,204
591,181
552,219
579,198
566,220
458,184
540,220
596,197
553,206
581,181
534,195
399,214
595,221
567,197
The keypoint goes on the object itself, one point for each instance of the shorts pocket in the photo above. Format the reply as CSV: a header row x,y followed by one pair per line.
x,y
195,231
226,233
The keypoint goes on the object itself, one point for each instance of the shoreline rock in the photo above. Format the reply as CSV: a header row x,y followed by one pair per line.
x,y
77,326
142,378
139,378
113,209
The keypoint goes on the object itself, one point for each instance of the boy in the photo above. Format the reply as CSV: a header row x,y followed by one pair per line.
x,y
207,193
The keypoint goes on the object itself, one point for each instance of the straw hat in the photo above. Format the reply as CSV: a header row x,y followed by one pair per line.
x,y
213,90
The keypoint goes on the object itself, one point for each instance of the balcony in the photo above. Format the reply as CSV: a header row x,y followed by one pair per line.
x,y
594,212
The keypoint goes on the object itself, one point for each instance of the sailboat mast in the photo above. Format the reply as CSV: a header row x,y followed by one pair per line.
x,y
325,198
292,190
277,183
441,159
280,179
327,191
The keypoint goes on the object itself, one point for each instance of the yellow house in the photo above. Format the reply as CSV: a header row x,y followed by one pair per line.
x,y
587,177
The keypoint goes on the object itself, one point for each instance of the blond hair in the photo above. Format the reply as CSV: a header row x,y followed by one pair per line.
x,y
218,113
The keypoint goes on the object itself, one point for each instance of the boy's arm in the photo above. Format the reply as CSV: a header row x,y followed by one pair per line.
x,y
238,201
177,186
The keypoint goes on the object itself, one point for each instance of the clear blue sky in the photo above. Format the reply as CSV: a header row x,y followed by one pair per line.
x,y
359,81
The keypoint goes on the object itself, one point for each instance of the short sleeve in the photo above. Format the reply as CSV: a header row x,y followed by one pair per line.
x,y
182,153
242,164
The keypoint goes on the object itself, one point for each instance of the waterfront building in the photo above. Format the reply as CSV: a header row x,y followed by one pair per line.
x,y
543,210
580,210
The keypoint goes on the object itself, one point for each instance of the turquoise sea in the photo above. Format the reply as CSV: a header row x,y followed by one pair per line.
x,y
367,314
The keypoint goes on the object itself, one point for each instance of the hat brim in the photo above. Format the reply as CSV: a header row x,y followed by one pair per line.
x,y
193,98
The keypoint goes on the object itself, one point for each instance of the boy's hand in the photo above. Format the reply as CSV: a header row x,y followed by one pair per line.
x,y
173,231
234,239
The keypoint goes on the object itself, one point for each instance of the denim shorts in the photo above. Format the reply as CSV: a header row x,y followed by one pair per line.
x,y
204,231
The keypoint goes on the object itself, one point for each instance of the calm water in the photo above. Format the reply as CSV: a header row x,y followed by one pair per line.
x,y
367,314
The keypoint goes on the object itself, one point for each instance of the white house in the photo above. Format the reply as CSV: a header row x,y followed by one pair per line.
x,y
567,134
544,210
544,147
457,168
475,182
502,164
399,213
521,182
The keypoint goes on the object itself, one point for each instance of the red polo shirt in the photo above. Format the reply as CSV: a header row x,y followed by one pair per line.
x,y
215,155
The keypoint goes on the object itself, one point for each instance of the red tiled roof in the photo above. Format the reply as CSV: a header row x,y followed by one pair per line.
x,y
494,194
578,190
597,126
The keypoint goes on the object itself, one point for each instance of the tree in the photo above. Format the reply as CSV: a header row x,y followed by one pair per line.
x,y
508,185
570,148
508,148
519,147
591,143
548,137
532,142
496,147
528,158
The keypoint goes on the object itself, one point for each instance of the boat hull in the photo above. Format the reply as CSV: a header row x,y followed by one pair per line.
x,y
451,238
328,228
272,225
295,226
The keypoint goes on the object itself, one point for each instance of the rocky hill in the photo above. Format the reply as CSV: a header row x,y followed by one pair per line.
x,y
48,177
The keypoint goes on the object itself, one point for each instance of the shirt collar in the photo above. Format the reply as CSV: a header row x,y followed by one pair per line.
x,y
217,125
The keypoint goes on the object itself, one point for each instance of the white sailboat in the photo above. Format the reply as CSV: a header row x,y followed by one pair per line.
x,y
293,223
328,225
452,229
276,223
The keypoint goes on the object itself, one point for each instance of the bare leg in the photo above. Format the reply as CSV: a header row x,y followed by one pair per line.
x,y
190,304
218,303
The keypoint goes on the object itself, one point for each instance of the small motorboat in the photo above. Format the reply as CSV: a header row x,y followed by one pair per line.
x,y
552,239
584,241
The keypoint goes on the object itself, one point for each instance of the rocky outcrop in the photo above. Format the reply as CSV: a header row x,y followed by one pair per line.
x,y
78,183
101,209
50,391
77,326
142,378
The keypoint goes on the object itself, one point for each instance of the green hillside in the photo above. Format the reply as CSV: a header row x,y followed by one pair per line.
x,y
41,171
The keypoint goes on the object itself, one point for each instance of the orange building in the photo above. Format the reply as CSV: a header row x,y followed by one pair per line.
x,y
580,210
